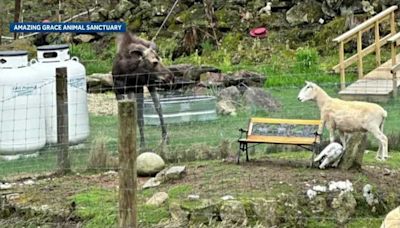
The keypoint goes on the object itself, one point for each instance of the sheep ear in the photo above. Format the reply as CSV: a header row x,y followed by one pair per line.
x,y
307,82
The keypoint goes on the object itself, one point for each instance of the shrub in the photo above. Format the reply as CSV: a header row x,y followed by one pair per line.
x,y
99,156
306,59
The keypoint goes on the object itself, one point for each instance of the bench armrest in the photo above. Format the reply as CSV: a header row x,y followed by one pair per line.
x,y
241,130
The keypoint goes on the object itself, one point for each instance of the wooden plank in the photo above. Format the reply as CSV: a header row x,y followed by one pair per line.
x,y
281,140
284,121
377,45
359,55
365,24
342,66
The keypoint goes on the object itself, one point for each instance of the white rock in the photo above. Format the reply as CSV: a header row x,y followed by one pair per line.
x,y
111,173
157,199
311,194
151,183
343,186
321,21
5,186
193,197
227,197
28,182
319,188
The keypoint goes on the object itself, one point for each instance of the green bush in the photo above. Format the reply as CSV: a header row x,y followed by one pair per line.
x,y
307,59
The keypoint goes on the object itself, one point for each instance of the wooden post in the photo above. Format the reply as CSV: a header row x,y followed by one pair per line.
x,y
17,13
394,84
127,164
355,148
341,62
359,55
377,45
1,27
62,120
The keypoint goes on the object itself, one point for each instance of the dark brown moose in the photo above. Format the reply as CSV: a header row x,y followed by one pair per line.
x,y
136,65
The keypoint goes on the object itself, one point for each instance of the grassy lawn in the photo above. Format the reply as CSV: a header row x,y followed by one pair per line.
x,y
182,136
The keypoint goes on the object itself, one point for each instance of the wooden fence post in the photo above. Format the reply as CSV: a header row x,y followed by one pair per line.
x,y
62,120
17,14
127,164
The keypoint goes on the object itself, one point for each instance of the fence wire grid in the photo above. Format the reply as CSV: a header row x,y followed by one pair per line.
x,y
202,121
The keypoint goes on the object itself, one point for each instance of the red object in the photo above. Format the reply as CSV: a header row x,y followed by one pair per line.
x,y
260,32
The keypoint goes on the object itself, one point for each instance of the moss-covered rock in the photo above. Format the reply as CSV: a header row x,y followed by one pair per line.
x,y
201,211
308,11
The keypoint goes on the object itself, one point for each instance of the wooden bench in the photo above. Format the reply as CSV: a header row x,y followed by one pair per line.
x,y
297,132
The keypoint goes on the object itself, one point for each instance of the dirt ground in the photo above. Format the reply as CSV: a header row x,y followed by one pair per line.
x,y
210,179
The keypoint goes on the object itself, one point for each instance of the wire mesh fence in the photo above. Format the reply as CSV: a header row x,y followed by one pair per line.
x,y
202,127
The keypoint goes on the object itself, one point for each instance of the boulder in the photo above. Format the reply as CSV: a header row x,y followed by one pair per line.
x,y
99,83
83,38
233,212
123,7
201,211
172,173
308,11
258,98
151,183
149,164
265,212
226,107
345,206
157,199
178,215
231,93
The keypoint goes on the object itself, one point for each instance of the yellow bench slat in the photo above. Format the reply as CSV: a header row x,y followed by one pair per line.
x,y
280,140
284,121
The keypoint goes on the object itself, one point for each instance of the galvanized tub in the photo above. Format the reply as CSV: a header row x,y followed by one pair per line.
x,y
181,109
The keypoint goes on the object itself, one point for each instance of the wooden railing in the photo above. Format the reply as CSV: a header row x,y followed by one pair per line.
x,y
357,33
394,42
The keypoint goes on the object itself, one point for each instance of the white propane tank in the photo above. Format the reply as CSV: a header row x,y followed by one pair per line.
x,y
51,57
22,118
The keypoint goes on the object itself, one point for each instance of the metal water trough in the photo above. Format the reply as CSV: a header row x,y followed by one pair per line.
x,y
181,109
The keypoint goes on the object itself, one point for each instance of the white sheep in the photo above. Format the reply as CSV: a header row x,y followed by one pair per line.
x,y
347,116
392,219
331,154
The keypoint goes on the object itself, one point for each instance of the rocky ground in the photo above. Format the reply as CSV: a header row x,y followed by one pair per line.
x,y
205,182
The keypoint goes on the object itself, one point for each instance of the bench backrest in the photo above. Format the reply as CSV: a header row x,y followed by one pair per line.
x,y
285,131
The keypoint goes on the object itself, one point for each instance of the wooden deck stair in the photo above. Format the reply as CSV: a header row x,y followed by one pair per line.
x,y
383,82
376,86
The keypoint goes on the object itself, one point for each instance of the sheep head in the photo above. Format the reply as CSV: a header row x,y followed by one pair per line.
x,y
308,92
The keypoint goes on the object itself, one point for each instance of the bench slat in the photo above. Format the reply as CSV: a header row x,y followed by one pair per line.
x,y
285,121
280,140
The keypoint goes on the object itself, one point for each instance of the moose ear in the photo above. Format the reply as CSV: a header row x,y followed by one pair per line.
x,y
135,52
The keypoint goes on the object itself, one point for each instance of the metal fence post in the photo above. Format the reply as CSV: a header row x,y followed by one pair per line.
x,y
127,164
62,120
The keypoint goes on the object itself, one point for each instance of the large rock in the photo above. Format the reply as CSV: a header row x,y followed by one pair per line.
x,y
345,206
308,11
123,7
233,212
83,38
231,93
226,107
149,164
265,212
178,215
157,199
172,173
258,98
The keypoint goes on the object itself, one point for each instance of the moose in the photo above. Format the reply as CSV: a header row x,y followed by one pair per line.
x,y
136,65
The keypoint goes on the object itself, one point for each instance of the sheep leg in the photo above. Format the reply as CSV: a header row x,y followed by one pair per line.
x,y
331,134
157,106
382,153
